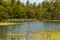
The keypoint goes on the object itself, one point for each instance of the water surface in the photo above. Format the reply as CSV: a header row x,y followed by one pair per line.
x,y
29,28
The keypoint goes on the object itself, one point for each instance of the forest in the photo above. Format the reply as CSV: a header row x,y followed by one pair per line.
x,y
47,10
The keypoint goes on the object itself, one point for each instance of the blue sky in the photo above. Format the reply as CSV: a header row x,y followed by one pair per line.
x,y
32,1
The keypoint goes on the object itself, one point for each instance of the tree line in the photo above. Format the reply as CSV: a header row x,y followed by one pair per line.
x,y
46,10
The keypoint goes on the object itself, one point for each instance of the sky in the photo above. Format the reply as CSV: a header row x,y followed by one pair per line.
x,y
32,1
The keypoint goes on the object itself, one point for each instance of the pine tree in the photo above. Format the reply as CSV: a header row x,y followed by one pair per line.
x,y
12,2
0,2
18,2
27,2
34,5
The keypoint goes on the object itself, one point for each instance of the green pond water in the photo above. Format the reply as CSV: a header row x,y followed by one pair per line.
x,y
28,28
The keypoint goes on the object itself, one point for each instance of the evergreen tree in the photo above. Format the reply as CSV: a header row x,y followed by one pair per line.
x,y
1,2
27,2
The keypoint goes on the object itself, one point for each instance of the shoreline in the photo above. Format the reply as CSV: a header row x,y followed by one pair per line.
x,y
50,20
7,23
14,22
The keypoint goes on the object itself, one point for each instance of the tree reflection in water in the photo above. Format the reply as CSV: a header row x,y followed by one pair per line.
x,y
3,31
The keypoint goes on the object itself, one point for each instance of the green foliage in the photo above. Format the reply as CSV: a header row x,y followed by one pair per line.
x,y
47,10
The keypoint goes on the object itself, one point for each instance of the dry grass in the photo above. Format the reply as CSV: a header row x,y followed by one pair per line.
x,y
52,35
7,23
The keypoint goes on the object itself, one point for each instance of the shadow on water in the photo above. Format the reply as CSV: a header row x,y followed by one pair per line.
x,y
3,31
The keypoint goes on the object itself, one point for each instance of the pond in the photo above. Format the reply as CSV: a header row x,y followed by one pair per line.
x,y
28,28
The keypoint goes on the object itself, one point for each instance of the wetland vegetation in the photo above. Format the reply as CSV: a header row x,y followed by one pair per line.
x,y
14,12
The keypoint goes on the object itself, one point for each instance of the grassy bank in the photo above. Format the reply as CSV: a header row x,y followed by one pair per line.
x,y
18,21
15,21
8,23
50,35
51,20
